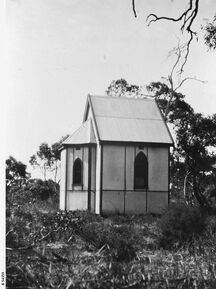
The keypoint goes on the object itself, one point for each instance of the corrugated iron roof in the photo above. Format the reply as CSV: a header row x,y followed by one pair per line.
x,y
83,135
129,120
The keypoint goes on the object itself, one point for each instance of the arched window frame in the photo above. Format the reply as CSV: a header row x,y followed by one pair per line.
x,y
77,172
140,172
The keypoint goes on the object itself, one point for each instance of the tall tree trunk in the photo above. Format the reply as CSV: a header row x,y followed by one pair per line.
x,y
56,170
44,172
185,184
199,196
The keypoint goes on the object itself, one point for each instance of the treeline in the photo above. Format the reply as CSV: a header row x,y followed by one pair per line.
x,y
20,187
193,159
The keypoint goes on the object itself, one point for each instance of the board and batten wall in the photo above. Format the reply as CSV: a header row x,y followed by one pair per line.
x,y
118,194
76,197
112,192
63,179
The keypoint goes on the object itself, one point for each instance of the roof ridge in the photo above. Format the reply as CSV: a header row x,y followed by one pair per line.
x,y
122,97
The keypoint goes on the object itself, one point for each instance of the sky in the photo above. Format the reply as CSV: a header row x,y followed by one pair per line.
x,y
59,51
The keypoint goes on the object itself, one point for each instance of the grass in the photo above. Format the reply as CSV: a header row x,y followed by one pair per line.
x,y
52,249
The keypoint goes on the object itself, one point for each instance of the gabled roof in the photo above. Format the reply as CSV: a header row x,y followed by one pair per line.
x,y
83,135
128,120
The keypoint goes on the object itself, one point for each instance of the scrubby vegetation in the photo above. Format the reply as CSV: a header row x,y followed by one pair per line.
x,y
47,248
179,224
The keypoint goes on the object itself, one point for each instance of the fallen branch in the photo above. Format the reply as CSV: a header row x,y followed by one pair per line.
x,y
101,249
11,230
60,258
34,243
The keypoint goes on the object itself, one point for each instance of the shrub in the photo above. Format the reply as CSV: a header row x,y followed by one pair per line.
x,y
43,189
179,224
118,240
210,194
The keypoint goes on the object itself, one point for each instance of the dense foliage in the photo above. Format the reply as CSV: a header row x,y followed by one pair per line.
x,y
179,224
16,174
43,190
193,171
210,35
194,157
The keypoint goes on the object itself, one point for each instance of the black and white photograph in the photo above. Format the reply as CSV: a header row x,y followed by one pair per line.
x,y
110,144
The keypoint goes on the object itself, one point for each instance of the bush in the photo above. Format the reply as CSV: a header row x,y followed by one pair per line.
x,y
43,189
179,224
118,240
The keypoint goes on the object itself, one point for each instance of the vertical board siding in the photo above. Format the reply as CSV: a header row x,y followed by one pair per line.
x,y
113,167
129,167
98,168
93,169
70,160
85,168
111,189
157,202
89,177
113,202
158,169
135,202
77,200
101,178
78,153
63,180
92,201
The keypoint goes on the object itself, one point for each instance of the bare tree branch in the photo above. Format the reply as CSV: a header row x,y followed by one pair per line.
x,y
134,9
188,78
182,16
173,88
178,52
187,17
187,52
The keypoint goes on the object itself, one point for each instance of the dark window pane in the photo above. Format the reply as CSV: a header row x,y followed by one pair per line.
x,y
77,172
141,171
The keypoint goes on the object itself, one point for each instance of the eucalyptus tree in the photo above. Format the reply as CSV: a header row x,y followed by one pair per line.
x,y
16,173
194,156
47,158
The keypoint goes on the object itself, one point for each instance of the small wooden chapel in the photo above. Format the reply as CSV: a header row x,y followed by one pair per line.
x,y
117,162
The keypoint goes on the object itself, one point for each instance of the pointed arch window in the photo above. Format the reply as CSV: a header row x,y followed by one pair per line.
x,y
141,171
77,172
